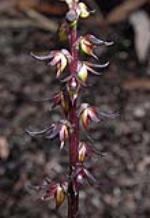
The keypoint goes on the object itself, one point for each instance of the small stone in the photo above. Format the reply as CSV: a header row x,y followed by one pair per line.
x,y
139,112
4,148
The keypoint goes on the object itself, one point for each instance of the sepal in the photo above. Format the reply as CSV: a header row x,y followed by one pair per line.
x,y
96,41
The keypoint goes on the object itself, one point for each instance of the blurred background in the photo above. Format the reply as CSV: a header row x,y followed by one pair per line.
x,y
123,174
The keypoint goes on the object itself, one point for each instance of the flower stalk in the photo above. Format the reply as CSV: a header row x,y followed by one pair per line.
x,y
73,195
68,129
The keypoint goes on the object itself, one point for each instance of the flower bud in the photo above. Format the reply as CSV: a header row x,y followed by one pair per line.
x,y
71,17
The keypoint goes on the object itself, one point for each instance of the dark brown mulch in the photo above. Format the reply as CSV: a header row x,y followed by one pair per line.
x,y
123,174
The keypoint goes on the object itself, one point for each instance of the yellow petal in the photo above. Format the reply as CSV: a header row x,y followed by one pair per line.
x,y
86,46
82,152
64,102
60,196
84,118
83,73
63,135
62,64
84,13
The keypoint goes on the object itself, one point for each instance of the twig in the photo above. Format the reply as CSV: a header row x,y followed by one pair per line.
x,y
137,84
16,23
36,20
42,20
118,14
121,12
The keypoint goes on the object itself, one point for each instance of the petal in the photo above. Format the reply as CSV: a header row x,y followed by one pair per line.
x,y
67,55
65,101
82,151
80,179
59,195
83,73
85,119
63,135
84,13
61,65
87,47
83,107
93,115
55,60
62,145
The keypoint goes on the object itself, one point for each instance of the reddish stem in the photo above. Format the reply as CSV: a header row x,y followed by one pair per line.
x,y
73,195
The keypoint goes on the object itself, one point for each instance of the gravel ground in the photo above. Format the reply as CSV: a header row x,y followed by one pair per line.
x,y
123,174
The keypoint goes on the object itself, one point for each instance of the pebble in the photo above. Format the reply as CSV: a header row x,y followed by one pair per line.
x,y
139,112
